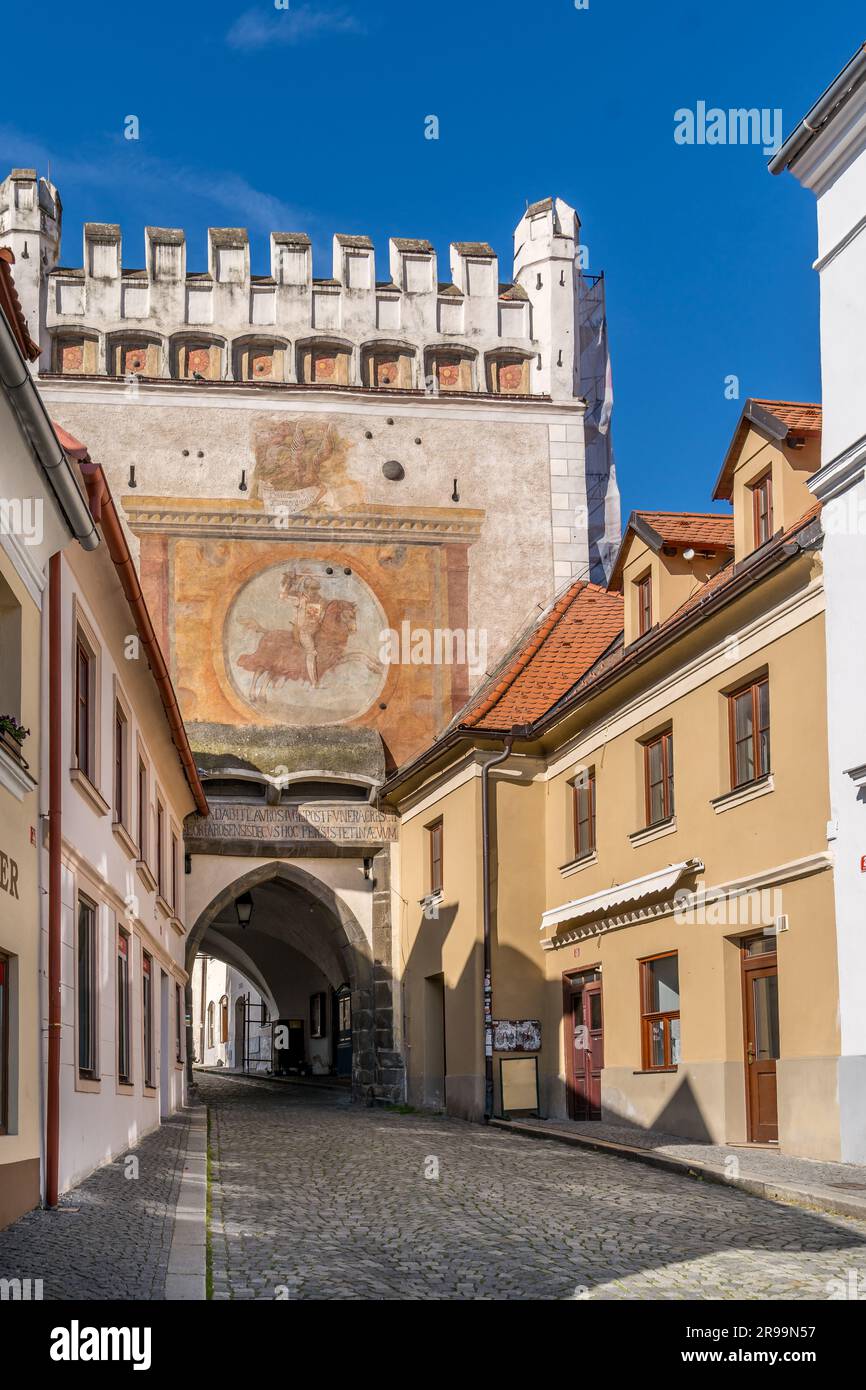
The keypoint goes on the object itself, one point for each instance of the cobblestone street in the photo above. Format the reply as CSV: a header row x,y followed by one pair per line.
x,y
316,1199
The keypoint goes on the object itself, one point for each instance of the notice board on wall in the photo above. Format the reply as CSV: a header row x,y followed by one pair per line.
x,y
518,1078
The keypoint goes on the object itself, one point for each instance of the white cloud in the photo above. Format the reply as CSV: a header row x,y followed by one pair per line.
x,y
124,162
260,28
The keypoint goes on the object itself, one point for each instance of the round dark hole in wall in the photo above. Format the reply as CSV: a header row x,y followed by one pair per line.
x,y
394,470
200,454
389,421
347,571
383,706
368,434
329,570
185,453
417,439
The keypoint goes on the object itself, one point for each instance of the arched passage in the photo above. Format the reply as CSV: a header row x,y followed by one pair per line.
x,y
301,937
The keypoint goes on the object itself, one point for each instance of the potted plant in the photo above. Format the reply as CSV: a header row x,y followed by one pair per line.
x,y
13,734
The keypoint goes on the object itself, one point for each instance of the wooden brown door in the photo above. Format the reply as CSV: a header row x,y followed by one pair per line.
x,y
761,1017
584,1027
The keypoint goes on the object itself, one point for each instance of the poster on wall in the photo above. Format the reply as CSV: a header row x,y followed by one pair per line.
x,y
517,1035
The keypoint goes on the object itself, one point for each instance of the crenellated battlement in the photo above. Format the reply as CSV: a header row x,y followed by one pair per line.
x,y
352,326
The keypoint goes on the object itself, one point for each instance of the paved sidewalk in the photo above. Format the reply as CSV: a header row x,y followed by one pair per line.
x,y
116,1245
763,1172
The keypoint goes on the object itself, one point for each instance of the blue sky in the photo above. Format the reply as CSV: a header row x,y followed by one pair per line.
x,y
313,118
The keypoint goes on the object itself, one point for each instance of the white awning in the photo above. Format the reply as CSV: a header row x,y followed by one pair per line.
x,y
622,898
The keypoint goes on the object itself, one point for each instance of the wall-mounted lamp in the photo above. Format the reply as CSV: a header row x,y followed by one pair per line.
x,y
242,487
131,480
244,909
455,495
368,867
689,554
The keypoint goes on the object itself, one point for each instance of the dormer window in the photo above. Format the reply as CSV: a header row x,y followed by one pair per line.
x,y
762,509
644,594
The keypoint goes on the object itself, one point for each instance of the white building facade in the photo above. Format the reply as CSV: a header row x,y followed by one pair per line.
x,y
827,154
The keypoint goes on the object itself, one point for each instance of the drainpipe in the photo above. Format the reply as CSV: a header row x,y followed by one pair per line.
x,y
55,792
487,991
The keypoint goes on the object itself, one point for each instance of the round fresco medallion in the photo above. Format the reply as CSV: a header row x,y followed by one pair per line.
x,y
303,645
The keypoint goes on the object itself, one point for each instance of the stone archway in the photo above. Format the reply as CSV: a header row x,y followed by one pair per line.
x,y
339,934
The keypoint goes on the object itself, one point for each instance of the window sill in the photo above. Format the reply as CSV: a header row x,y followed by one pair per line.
x,y
583,861
656,1071
125,1088
13,776
177,925
149,1092
123,835
164,907
654,832
89,791
432,898
144,874
739,795
90,1084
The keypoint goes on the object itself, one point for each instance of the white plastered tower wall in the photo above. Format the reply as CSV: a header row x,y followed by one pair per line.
x,y
161,302
833,166
30,225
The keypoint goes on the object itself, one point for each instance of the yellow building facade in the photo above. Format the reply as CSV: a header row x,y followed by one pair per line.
x,y
658,874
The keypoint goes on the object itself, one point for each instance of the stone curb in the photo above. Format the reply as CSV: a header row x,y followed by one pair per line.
x,y
817,1198
187,1260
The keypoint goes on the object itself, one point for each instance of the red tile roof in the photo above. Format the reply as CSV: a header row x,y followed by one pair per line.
x,y
703,530
799,416
713,530
10,305
580,625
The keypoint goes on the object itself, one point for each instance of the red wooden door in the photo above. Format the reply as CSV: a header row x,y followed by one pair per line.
x,y
761,1017
585,1046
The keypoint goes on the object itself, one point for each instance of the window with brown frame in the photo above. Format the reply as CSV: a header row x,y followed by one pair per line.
x,y
175,872
4,1043
660,1011
224,1019
120,742
124,1039
84,709
142,810
434,833
644,589
147,1015
659,778
88,997
583,801
178,1022
762,508
160,848
210,1015
749,725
